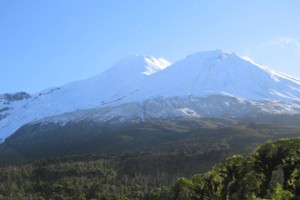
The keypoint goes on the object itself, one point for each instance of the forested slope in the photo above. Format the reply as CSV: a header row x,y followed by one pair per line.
x,y
272,171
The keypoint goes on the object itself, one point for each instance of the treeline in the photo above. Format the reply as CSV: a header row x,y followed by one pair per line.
x,y
76,180
272,171
139,175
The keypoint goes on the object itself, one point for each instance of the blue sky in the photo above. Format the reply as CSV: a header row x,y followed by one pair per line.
x,y
50,43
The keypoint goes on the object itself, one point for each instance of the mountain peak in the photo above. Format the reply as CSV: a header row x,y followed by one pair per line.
x,y
209,54
139,64
219,72
142,78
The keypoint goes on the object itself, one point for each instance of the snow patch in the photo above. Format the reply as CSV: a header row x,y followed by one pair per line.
x,y
155,65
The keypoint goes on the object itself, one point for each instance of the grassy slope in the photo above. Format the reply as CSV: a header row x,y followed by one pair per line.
x,y
185,136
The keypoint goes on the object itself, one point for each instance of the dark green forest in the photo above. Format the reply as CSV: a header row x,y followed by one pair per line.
x,y
272,171
166,159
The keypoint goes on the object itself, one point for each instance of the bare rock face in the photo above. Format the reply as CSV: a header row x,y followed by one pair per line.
x,y
15,96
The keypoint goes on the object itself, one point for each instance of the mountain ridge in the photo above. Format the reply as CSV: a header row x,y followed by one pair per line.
x,y
142,78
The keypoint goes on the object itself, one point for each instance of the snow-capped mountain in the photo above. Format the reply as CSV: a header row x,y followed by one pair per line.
x,y
214,84
217,72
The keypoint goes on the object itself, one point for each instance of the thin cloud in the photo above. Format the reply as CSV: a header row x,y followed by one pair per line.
x,y
280,53
285,41
280,43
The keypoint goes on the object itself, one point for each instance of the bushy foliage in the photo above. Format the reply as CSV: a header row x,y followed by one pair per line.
x,y
270,172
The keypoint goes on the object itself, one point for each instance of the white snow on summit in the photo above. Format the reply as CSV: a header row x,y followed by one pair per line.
x,y
218,72
110,87
142,78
